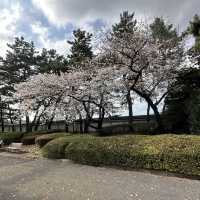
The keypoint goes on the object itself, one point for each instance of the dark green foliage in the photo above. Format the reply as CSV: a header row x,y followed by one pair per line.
x,y
81,49
29,140
194,27
127,24
162,31
20,60
56,148
44,139
8,138
183,102
51,62
172,153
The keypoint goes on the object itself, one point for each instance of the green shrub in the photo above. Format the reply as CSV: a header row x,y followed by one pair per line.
x,y
44,139
29,140
56,148
8,138
172,153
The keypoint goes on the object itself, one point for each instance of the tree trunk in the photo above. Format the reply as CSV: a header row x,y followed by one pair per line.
x,y
11,120
154,107
130,110
37,123
66,127
2,120
86,125
20,125
81,123
101,118
148,112
50,123
157,116
28,124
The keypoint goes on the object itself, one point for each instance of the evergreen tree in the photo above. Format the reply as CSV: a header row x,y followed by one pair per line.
x,y
18,65
183,102
81,48
20,61
161,30
127,24
194,29
49,61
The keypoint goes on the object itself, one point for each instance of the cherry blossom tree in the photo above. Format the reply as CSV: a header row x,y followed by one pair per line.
x,y
69,95
145,65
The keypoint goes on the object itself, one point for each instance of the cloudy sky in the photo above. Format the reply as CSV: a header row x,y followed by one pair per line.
x,y
49,23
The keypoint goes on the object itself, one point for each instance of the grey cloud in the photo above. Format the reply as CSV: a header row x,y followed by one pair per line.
x,y
178,12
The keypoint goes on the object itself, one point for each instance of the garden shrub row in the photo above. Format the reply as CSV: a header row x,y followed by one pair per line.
x,y
8,138
39,139
44,139
29,139
172,153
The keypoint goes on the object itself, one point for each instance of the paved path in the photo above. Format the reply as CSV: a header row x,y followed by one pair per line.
x,y
43,179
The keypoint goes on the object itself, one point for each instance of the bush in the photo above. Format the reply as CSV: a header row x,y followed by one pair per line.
x,y
172,153
56,148
42,132
8,138
44,139
29,140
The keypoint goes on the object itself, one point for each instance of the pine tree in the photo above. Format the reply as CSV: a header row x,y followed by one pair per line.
x,y
18,65
161,30
81,48
194,29
49,61
127,24
183,102
20,60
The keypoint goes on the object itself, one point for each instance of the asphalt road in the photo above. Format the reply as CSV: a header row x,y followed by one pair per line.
x,y
25,179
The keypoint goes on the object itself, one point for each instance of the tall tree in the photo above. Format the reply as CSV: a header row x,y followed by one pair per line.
x,y
183,102
19,64
49,61
161,30
194,29
147,66
81,51
81,48
126,25
20,60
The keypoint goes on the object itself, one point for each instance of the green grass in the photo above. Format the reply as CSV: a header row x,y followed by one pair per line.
x,y
172,153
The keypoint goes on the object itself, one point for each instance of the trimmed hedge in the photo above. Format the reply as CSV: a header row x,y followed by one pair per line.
x,y
29,140
55,149
44,139
8,138
172,153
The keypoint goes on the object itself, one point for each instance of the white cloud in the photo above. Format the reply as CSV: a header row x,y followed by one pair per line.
x,y
8,23
42,33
